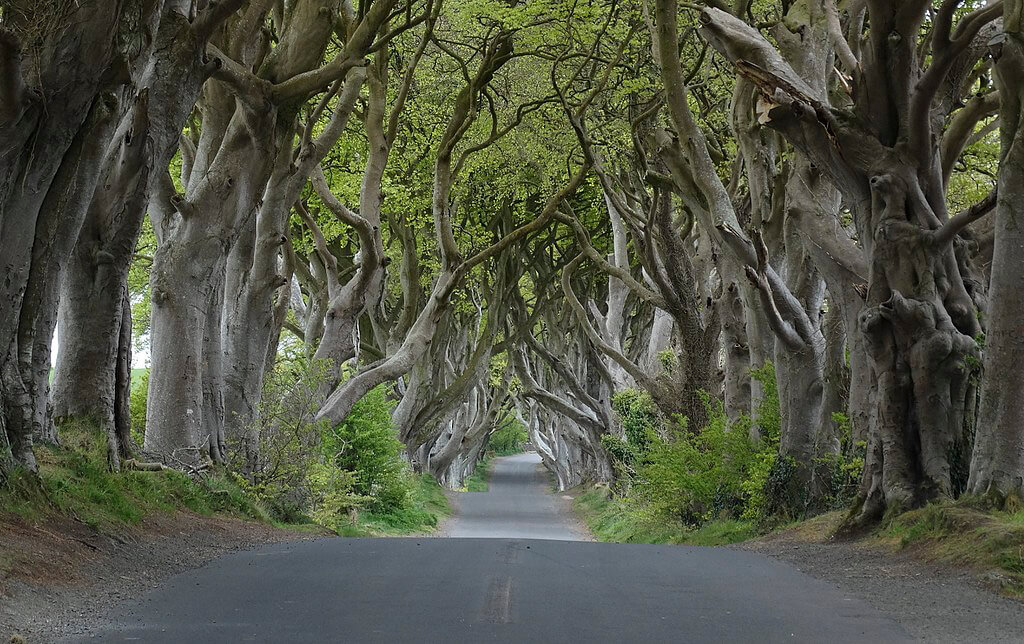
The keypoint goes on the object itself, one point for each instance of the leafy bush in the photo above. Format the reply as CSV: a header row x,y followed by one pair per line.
x,y
843,472
331,496
365,446
694,477
287,441
510,439
639,417
334,475
426,503
641,423
760,489
137,405
690,478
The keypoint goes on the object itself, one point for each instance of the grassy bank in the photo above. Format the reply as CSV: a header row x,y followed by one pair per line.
x,y
481,477
74,482
620,521
427,506
965,534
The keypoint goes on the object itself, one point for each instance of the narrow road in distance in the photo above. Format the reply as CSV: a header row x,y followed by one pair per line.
x,y
517,505
530,582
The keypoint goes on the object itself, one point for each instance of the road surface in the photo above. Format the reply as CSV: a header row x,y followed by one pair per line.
x,y
517,505
514,589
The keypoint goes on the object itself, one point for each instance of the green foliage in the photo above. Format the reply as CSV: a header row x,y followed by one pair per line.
x,y
425,506
137,403
764,470
638,415
640,422
331,495
74,480
287,440
843,472
510,439
669,360
313,470
138,284
479,480
695,477
627,521
365,445
726,470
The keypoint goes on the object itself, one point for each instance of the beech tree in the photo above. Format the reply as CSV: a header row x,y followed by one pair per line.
x,y
997,466
67,71
485,213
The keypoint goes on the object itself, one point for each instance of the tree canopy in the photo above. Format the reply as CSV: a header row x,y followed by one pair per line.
x,y
770,245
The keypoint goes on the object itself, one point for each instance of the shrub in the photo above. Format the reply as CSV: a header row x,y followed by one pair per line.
x,y
718,472
510,438
137,406
843,472
365,446
641,423
639,417
287,441
694,477
331,494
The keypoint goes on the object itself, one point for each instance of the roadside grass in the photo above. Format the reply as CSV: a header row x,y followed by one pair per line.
x,y
481,477
74,481
964,533
428,505
619,521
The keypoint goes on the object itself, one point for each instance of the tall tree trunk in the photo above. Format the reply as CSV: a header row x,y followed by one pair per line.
x,y
919,322
92,325
997,465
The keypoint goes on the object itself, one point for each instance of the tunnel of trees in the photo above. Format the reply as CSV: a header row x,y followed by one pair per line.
x,y
773,245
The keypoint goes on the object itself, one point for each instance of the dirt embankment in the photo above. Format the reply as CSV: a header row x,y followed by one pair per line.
x,y
60,575
933,601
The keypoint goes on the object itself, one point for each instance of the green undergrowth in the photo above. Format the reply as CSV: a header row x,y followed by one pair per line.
x,y
426,506
74,481
509,439
625,521
965,533
479,481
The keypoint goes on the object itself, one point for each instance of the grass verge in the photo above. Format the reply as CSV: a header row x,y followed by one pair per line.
x,y
74,481
428,505
964,533
620,521
481,477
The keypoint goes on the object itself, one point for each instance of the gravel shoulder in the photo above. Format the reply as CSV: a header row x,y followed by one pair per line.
x,y
59,577
933,603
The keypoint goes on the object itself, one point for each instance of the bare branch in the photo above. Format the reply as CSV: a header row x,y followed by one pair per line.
x,y
949,230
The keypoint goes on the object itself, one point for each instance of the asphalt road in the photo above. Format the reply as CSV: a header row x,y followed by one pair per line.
x,y
497,589
517,505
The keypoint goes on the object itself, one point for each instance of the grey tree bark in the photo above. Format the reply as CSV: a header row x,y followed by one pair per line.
x,y
91,322
59,107
919,323
997,464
